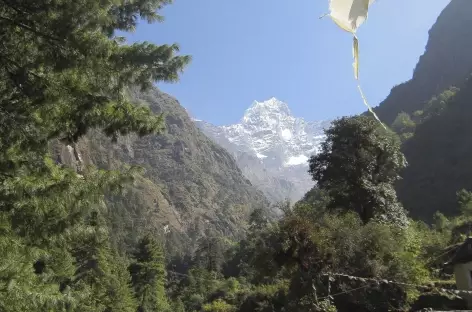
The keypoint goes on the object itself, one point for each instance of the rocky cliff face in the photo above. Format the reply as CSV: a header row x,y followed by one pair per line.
x,y
190,183
440,150
439,156
447,61
272,147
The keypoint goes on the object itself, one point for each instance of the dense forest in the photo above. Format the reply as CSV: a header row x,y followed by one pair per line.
x,y
67,234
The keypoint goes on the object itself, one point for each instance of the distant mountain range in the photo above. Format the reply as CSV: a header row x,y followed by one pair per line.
x,y
271,147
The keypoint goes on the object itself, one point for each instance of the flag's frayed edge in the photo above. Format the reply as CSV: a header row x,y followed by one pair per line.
x,y
355,52
369,107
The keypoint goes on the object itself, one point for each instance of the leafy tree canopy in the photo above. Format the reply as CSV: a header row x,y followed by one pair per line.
x,y
358,165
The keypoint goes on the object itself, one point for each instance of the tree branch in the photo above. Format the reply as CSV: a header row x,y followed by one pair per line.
x,y
26,27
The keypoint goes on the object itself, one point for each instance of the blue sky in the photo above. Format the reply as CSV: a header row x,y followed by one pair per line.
x,y
250,50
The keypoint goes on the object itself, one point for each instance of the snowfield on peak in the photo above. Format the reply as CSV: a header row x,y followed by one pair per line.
x,y
272,147
297,160
260,156
269,128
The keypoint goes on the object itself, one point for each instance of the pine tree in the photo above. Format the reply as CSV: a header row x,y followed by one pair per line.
x,y
65,71
178,306
148,276
100,272
120,291
209,253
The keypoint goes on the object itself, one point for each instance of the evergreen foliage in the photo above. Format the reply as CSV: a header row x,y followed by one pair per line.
x,y
209,253
148,276
64,72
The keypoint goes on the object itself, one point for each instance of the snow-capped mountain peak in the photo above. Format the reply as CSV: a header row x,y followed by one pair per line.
x,y
267,114
270,108
272,133
279,144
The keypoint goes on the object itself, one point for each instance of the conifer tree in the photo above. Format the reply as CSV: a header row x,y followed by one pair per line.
x,y
148,276
178,306
64,70
100,272
209,253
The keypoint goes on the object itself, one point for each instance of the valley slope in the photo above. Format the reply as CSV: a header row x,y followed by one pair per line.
x,y
191,185
440,149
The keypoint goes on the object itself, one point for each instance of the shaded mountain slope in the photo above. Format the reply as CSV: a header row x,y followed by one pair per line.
x,y
447,61
190,184
439,156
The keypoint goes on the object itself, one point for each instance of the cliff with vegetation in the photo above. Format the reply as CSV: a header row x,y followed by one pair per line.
x,y
446,62
189,185
438,152
430,113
